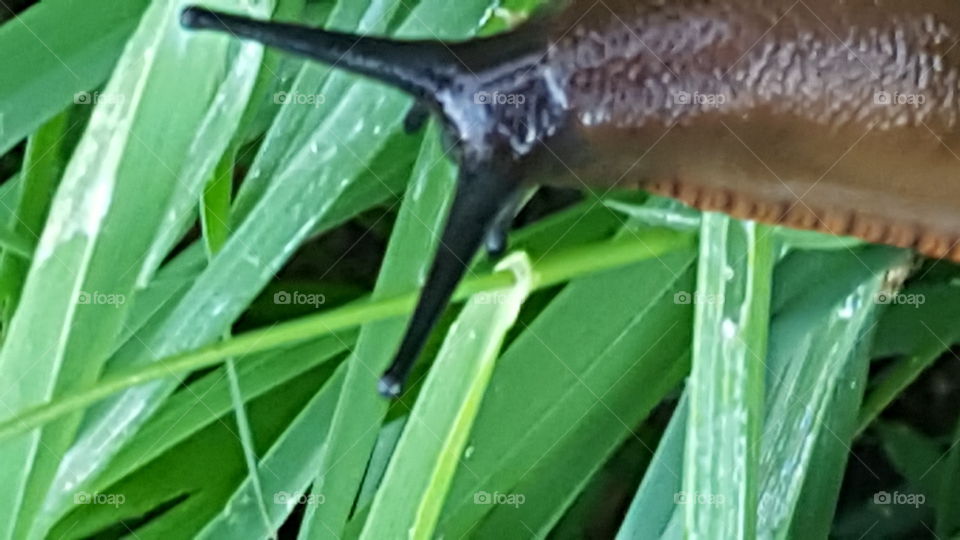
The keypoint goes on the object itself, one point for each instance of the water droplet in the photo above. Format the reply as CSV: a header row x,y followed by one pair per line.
x,y
846,311
729,328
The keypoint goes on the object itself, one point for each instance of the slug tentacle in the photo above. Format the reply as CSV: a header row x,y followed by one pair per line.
x,y
482,190
420,68
496,240
492,98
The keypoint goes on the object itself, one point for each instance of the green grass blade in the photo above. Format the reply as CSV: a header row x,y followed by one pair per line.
x,y
817,503
726,389
208,399
817,344
17,245
308,103
305,193
419,475
42,167
655,503
215,204
552,270
948,494
9,195
68,47
379,459
286,469
406,261
586,406
651,351
203,478
919,325
103,226
215,222
351,439
894,380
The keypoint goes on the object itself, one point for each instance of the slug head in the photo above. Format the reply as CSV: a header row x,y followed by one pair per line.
x,y
494,99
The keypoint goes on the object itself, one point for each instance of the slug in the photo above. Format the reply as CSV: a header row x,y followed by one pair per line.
x,y
834,116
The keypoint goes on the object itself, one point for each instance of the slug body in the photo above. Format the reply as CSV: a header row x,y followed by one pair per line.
x,y
835,116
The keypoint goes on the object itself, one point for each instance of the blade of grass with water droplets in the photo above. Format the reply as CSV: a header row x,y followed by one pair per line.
x,y
68,48
411,495
102,227
726,389
588,403
360,411
817,367
307,192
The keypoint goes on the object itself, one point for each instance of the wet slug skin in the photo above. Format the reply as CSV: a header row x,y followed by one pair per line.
x,y
834,116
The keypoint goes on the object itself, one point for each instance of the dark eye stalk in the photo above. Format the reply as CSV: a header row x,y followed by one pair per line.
x,y
487,182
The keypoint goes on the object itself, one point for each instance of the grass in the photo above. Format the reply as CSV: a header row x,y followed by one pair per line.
x,y
208,253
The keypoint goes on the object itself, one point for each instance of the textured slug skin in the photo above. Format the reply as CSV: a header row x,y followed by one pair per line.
x,y
826,115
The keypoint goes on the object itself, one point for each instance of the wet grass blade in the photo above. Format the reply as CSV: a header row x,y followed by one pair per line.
x,y
104,225
215,224
419,475
68,48
817,365
359,412
726,389
553,270
206,400
310,190
351,438
574,417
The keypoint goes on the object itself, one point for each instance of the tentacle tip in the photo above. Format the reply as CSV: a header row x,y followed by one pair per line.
x,y
495,246
195,17
390,386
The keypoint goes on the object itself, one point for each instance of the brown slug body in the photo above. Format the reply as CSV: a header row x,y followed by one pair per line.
x,y
827,115
835,116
